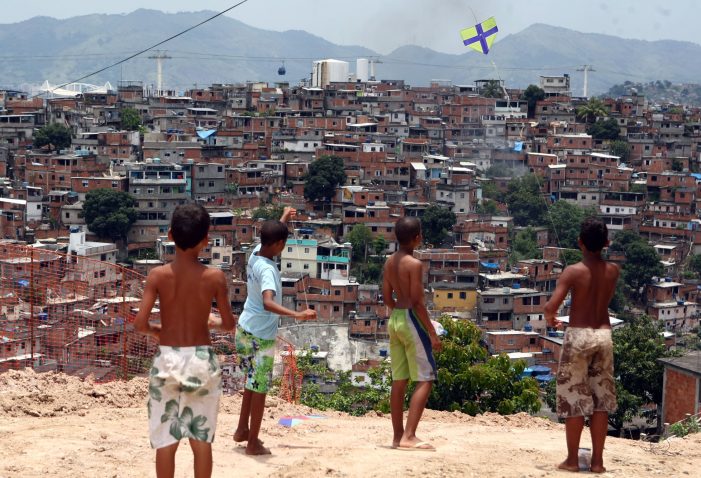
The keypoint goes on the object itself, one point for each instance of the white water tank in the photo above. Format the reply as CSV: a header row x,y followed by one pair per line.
x,y
362,69
325,72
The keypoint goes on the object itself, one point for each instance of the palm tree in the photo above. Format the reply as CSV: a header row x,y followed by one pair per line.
x,y
492,89
594,109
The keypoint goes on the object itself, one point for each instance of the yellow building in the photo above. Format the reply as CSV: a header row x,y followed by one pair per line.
x,y
454,296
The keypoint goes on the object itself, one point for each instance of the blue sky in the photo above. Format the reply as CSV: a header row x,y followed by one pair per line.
x,y
383,25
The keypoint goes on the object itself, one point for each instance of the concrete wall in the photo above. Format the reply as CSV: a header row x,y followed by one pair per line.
x,y
343,352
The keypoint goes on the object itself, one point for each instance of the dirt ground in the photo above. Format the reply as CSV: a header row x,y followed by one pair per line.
x,y
55,425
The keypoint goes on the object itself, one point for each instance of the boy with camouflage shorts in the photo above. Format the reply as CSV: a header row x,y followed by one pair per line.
x,y
585,385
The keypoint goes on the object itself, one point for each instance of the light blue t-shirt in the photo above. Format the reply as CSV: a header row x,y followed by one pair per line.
x,y
262,275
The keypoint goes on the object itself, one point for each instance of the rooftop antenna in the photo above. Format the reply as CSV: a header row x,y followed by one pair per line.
x,y
159,56
586,69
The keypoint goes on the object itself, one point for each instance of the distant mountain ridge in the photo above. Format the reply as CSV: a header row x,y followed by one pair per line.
x,y
227,50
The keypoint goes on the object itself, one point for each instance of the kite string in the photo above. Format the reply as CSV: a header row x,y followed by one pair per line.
x,y
473,14
298,245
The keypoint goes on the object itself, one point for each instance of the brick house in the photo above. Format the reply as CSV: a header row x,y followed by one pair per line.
x,y
682,387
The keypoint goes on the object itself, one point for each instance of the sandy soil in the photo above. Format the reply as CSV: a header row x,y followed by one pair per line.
x,y
54,425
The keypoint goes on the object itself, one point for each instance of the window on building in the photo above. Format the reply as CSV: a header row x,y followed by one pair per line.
x,y
336,308
289,249
306,250
450,295
289,265
306,267
463,295
337,292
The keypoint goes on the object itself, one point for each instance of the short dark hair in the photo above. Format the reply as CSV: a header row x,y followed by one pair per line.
x,y
593,234
272,232
406,229
189,225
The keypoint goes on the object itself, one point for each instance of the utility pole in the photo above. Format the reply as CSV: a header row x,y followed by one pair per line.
x,y
159,57
586,69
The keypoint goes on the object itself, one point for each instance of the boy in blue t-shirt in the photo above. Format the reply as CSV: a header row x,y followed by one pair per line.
x,y
257,329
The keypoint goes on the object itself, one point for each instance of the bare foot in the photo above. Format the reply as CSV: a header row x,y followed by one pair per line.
x,y
597,469
257,449
565,465
415,444
240,435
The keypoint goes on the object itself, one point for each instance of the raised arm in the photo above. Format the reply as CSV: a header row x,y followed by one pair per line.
x,y
287,214
141,323
564,283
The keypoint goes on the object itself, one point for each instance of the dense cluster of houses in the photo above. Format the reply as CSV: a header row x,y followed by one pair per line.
x,y
236,147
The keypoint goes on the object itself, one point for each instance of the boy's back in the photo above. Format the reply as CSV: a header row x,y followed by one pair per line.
x,y
592,283
400,271
185,292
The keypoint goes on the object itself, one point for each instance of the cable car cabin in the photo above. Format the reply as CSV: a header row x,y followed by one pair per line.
x,y
281,71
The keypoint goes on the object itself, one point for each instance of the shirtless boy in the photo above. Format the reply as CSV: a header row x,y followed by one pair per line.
x,y
412,337
185,380
585,385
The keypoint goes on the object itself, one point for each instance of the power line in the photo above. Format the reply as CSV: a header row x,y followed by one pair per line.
x,y
149,48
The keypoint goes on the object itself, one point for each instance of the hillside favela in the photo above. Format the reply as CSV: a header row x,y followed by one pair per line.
x,y
500,165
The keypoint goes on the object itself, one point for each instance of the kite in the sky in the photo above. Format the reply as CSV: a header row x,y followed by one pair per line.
x,y
481,36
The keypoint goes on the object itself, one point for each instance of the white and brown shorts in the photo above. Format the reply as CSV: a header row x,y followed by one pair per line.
x,y
585,376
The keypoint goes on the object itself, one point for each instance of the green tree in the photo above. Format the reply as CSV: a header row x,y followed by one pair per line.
x,y
487,208
379,246
490,191
348,397
436,224
324,176
637,348
55,135
525,245
492,89
641,265
270,211
565,221
695,264
130,119
605,129
532,95
360,237
619,301
109,213
525,201
677,165
621,149
570,256
623,239
592,110
471,381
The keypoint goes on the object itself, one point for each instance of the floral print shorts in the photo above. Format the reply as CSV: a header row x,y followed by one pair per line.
x,y
184,390
256,357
